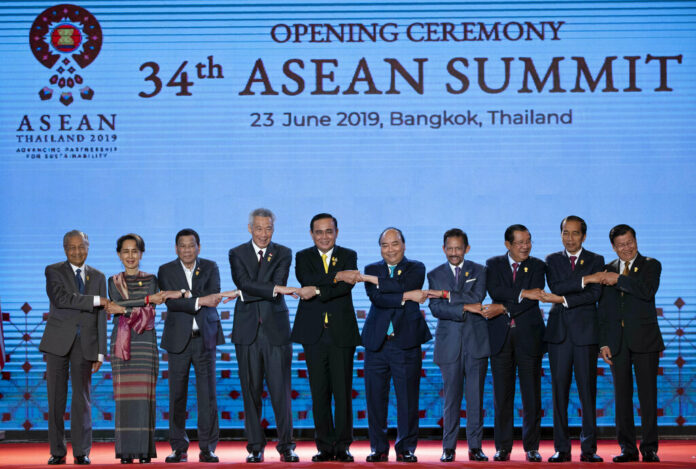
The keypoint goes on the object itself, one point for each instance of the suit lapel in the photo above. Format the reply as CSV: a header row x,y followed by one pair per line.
x,y
637,265
614,265
88,277
181,276
330,260
195,278
71,276
251,260
316,259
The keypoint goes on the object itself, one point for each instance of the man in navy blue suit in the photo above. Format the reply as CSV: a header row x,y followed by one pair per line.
x,y
572,334
392,335
457,289
515,283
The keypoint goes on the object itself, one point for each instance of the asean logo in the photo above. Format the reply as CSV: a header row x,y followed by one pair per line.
x,y
65,39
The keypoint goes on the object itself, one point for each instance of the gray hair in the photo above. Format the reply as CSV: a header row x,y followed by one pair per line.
x,y
73,233
261,212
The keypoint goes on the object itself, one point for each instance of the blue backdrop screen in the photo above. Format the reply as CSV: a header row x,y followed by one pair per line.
x,y
149,117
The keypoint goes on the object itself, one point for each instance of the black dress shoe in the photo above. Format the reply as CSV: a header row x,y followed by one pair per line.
x,y
82,460
590,457
55,460
177,456
560,456
626,457
322,456
406,456
145,460
533,456
650,456
344,456
255,456
207,456
448,455
475,454
126,460
289,456
501,455
377,457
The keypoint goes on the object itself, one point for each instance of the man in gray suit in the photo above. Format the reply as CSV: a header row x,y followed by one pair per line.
x,y
261,333
74,339
457,289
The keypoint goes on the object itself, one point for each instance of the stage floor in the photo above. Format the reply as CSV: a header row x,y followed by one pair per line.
x,y
673,453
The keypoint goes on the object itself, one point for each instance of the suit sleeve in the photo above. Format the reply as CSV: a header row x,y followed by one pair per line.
x,y
184,305
508,296
212,284
441,308
571,287
256,290
645,285
603,313
557,284
476,294
391,290
62,298
338,289
101,318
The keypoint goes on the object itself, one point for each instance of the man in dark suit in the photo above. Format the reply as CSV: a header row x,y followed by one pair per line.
x,y
74,339
325,325
261,333
392,335
457,289
515,282
630,337
191,332
572,334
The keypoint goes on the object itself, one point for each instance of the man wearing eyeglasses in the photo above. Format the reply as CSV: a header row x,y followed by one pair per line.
x,y
515,283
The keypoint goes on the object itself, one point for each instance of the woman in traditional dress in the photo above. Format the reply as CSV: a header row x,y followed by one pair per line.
x,y
134,354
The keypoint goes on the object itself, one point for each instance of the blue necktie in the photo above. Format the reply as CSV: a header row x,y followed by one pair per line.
x,y
390,330
457,271
79,282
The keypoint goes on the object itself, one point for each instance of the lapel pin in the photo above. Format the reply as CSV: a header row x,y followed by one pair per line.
x,y
270,256
526,269
582,261
87,276
197,272
398,272
333,261
635,269
466,274
140,284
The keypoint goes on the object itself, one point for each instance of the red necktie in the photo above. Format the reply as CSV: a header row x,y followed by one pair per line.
x,y
515,265
572,262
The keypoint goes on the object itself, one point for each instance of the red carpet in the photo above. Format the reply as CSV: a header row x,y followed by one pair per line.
x,y
673,453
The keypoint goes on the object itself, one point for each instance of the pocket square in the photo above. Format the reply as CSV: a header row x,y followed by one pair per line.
x,y
470,280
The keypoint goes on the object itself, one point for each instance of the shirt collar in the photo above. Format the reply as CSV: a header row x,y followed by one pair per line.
x,y
577,255
186,269
257,249
328,253
630,263
452,267
74,268
512,261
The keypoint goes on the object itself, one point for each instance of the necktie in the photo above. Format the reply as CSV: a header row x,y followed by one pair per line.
x,y
515,265
390,330
626,269
260,257
326,271
572,262
457,271
78,281
324,259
